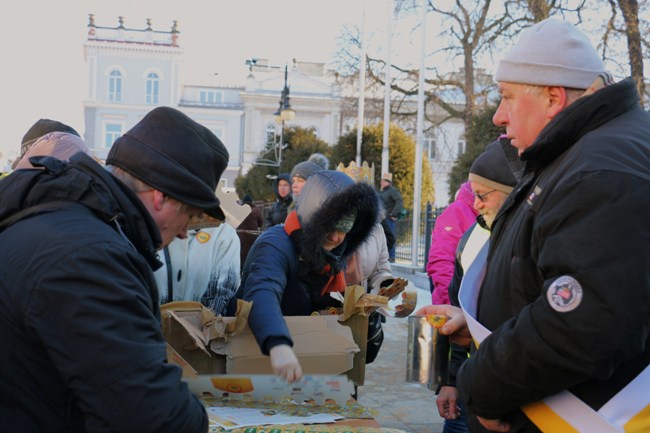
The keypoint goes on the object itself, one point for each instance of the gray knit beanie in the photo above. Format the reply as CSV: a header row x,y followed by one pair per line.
x,y
305,169
551,53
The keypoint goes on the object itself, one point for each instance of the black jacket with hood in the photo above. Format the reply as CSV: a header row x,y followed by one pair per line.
x,y
278,212
83,347
579,212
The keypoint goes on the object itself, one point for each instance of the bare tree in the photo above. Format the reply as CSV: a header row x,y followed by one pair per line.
x,y
471,29
630,29
540,9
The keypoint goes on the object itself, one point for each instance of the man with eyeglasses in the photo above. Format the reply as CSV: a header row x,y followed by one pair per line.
x,y
83,349
561,313
492,176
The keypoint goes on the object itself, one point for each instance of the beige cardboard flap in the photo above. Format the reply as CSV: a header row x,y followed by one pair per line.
x,y
201,323
234,212
357,301
175,358
189,322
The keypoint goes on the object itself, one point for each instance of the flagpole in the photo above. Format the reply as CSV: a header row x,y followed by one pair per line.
x,y
362,85
417,181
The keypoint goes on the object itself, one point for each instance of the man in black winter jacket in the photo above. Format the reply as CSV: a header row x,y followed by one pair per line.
x,y
562,312
83,344
282,191
392,200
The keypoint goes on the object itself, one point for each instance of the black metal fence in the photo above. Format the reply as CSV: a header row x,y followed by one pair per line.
x,y
404,237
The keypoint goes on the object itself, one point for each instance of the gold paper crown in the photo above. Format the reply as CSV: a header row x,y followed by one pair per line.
x,y
364,173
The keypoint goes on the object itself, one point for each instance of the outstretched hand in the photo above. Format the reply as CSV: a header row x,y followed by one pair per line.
x,y
285,363
455,327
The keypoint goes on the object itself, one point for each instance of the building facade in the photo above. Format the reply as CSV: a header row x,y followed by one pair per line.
x,y
130,71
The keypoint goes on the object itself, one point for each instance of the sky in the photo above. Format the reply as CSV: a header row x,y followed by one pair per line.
x,y
43,71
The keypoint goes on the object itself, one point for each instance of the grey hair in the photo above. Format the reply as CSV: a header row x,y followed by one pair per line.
x,y
138,186
572,94
132,182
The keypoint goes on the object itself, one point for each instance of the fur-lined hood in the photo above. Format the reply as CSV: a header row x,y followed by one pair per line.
x,y
287,178
328,196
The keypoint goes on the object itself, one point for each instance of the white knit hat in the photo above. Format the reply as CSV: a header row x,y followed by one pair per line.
x,y
551,53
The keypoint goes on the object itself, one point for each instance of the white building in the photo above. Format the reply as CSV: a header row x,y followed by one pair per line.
x,y
130,71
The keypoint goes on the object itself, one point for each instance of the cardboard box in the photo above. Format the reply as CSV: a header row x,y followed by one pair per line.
x,y
358,325
206,344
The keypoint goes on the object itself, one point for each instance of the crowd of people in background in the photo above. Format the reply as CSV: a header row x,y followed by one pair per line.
x,y
540,264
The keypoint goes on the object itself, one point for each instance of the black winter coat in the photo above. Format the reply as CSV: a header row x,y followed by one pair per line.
x,y
579,212
278,212
82,344
392,199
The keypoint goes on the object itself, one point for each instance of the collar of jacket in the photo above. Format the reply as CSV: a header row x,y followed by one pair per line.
x,y
582,116
336,282
84,181
481,222
127,209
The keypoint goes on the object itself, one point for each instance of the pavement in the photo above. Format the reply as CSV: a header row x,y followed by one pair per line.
x,y
398,403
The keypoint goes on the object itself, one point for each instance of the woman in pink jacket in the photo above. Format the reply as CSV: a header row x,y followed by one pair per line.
x,y
447,231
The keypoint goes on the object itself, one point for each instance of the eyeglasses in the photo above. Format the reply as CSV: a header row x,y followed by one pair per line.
x,y
482,197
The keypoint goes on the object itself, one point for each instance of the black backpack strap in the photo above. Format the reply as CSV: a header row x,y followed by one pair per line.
x,y
34,210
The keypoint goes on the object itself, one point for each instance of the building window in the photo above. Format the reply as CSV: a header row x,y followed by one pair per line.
x,y
461,147
115,86
210,97
271,134
112,132
153,84
430,147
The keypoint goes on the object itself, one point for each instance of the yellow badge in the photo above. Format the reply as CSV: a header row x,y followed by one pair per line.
x,y
202,237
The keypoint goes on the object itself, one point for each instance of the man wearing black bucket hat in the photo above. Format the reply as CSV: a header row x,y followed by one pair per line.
x,y
79,310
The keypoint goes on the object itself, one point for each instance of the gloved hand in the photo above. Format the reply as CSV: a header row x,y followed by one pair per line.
x,y
285,363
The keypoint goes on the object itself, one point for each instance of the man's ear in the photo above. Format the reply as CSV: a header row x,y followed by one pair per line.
x,y
158,198
558,100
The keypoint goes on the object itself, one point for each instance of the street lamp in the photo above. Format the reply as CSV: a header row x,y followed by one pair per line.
x,y
284,114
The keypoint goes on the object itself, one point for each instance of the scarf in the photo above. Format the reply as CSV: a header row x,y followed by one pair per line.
x,y
336,282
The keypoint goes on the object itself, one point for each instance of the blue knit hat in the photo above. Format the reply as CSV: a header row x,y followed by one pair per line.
x,y
305,169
